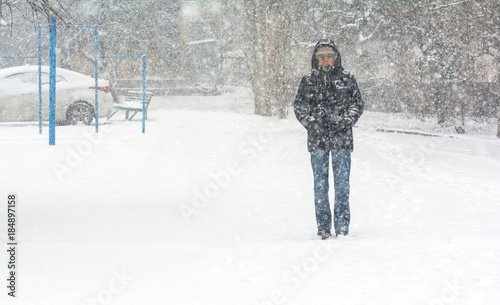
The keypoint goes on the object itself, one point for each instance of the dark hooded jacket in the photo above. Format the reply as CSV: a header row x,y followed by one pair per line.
x,y
328,104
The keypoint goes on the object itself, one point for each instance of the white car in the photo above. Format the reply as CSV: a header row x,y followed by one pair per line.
x,y
75,96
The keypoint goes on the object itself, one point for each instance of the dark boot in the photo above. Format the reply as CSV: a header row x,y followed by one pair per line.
x,y
324,234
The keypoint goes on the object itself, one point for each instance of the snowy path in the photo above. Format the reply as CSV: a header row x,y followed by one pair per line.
x,y
215,207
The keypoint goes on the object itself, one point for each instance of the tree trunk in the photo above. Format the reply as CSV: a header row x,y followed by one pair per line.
x,y
438,98
257,53
279,53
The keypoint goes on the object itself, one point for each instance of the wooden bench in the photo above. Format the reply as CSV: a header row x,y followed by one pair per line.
x,y
133,104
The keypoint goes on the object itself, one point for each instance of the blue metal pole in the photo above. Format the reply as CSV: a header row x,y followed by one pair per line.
x,y
143,93
96,82
52,82
39,81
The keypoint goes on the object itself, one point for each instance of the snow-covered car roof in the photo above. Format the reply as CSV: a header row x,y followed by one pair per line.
x,y
46,69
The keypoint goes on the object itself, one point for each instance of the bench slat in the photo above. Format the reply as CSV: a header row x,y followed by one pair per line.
x,y
133,103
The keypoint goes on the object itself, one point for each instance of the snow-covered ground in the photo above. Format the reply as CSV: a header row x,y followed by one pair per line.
x,y
213,205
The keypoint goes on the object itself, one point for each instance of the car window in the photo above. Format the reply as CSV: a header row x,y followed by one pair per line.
x,y
24,77
32,77
46,78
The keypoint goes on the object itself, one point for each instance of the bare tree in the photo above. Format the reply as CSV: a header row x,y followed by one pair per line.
x,y
486,20
2,21
39,8
256,51
270,45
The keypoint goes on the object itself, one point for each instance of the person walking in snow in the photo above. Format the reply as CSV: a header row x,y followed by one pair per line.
x,y
328,104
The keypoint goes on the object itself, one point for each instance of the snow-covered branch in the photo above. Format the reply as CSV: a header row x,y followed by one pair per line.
x,y
363,38
438,7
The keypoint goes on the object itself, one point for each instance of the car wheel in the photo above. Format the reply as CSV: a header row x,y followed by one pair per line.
x,y
80,111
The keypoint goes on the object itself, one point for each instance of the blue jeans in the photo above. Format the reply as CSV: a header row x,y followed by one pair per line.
x,y
341,165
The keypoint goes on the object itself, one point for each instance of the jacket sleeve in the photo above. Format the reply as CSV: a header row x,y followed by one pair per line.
x,y
301,105
356,104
